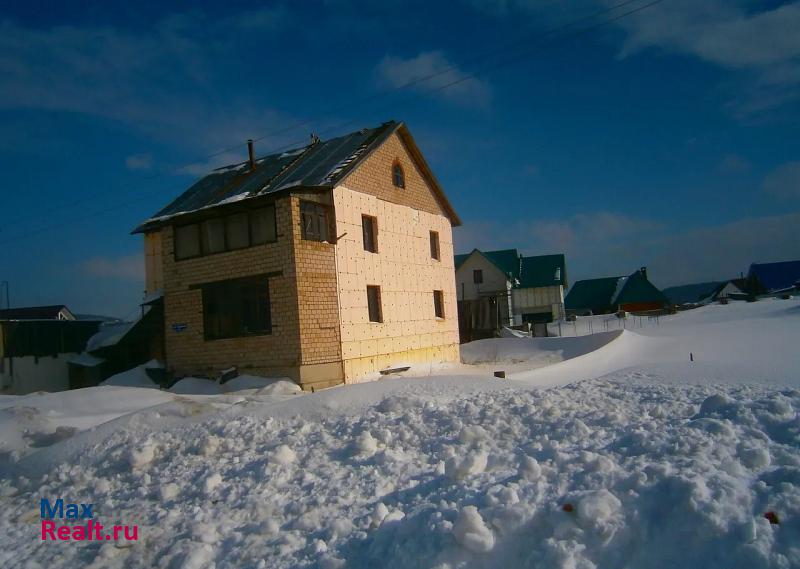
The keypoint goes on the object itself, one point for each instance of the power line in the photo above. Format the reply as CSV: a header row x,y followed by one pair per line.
x,y
339,125
349,104
364,100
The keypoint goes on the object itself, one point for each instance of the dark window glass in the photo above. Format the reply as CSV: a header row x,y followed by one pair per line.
x,y
262,226
213,233
434,245
477,276
236,231
187,241
314,217
398,176
374,303
438,303
369,227
236,308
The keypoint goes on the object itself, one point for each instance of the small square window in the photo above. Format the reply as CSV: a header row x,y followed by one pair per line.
x,y
236,231
187,241
438,303
477,276
314,218
262,226
213,236
369,227
374,303
435,245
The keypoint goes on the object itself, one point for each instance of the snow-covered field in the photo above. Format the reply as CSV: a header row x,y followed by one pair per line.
x,y
613,450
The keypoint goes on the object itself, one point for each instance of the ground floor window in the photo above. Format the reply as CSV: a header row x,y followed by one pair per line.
x,y
236,308
374,304
438,303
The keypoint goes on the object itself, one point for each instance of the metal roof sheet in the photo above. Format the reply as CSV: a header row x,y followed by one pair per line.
x,y
776,276
543,270
319,164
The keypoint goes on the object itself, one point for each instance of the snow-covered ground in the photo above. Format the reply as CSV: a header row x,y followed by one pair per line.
x,y
613,450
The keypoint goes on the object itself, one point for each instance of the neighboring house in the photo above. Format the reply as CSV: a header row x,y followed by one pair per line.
x,y
734,289
504,288
634,293
773,278
36,344
484,280
54,312
325,264
539,297
120,346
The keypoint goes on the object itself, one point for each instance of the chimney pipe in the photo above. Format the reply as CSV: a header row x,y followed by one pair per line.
x,y
644,271
251,154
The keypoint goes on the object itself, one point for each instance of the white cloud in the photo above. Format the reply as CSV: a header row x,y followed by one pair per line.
x,y
155,80
139,162
431,72
784,181
129,267
764,44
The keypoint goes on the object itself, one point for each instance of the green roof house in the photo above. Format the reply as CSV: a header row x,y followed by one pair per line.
x,y
503,288
634,293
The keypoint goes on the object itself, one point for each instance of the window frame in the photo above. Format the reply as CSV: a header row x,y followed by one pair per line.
x,y
398,167
373,222
436,251
197,237
477,276
224,219
320,211
438,304
212,293
379,305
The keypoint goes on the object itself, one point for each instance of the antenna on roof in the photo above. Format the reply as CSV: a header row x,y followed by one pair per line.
x,y
251,154
314,139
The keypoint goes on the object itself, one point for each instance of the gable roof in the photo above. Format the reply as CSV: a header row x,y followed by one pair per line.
x,y
543,270
36,313
637,288
591,294
776,276
506,260
319,165
609,292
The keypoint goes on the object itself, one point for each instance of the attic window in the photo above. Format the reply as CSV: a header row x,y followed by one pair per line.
x,y
398,176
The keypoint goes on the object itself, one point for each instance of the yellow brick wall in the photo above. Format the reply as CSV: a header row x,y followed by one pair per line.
x,y
153,263
277,353
318,306
374,177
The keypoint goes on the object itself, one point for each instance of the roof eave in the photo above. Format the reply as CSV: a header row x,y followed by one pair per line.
x,y
153,225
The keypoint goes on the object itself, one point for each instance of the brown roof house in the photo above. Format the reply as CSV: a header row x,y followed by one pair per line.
x,y
326,263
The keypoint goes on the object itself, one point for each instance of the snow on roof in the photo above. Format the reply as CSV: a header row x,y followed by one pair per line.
x,y
315,165
86,360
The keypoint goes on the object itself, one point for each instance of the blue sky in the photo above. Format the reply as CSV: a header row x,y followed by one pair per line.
x,y
668,138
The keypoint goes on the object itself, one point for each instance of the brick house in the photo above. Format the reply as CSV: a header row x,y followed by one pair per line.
x,y
326,263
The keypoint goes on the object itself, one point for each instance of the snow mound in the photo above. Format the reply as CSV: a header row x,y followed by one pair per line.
x,y
262,385
471,532
195,386
135,377
533,351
